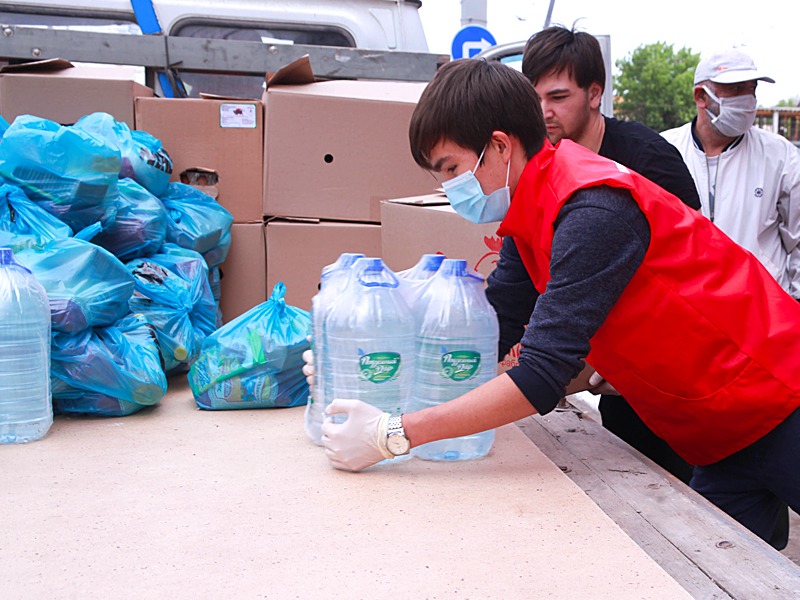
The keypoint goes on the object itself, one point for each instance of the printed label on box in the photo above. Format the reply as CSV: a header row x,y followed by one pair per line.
x,y
237,116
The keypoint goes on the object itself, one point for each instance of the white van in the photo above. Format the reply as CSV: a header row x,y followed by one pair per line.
x,y
387,25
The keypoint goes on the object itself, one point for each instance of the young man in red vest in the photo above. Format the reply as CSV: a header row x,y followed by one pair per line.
x,y
682,321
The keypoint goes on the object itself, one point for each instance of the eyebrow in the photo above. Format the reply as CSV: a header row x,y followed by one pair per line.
x,y
438,166
557,91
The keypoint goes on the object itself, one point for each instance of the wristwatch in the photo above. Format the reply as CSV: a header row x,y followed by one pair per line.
x,y
396,441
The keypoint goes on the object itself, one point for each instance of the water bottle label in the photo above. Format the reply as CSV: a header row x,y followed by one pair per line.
x,y
461,365
379,367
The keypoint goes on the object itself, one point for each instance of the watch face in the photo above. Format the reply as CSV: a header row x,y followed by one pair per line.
x,y
397,444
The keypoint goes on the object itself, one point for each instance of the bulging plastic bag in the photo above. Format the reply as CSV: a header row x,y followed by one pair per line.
x,y
3,126
255,361
67,171
107,371
143,158
173,292
87,285
195,220
140,227
23,224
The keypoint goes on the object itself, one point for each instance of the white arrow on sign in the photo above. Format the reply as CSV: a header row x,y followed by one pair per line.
x,y
480,46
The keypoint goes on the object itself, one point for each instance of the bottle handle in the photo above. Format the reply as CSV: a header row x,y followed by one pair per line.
x,y
393,284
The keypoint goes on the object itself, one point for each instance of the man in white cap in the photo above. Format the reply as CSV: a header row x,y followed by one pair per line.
x,y
748,178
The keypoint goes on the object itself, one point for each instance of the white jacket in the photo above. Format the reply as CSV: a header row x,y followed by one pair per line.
x,y
757,200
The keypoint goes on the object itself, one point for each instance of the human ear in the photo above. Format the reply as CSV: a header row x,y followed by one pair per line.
x,y
595,93
700,96
501,142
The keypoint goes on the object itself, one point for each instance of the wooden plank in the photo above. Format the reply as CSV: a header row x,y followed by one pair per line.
x,y
708,553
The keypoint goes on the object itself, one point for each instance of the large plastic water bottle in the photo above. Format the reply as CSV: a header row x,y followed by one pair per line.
x,y
26,410
456,343
333,279
414,280
370,339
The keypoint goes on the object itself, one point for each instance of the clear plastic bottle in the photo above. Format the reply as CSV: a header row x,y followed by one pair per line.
x,y
370,339
26,409
456,343
333,279
414,280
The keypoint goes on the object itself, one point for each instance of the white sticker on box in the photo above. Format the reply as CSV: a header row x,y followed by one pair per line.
x,y
237,116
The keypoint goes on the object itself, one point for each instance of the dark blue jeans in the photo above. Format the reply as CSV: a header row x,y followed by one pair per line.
x,y
755,485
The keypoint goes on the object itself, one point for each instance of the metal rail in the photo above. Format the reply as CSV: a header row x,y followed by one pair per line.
x,y
212,55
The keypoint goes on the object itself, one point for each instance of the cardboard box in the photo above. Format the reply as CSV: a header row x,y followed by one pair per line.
x,y
427,224
220,137
244,272
336,149
291,251
58,91
297,251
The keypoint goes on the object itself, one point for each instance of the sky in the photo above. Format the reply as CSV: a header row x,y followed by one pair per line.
x,y
768,31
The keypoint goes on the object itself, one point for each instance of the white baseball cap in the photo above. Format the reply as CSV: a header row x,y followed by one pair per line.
x,y
729,66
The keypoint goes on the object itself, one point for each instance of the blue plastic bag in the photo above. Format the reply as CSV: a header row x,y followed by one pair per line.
x,y
3,126
143,158
255,361
195,220
23,224
140,227
173,292
107,371
87,285
67,171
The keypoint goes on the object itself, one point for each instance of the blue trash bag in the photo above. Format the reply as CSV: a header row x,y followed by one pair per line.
x,y
23,224
255,361
173,292
218,254
195,219
67,171
87,285
143,158
107,371
3,126
140,227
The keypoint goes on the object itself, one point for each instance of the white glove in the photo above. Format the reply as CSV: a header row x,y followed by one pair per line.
x,y
598,385
308,369
360,441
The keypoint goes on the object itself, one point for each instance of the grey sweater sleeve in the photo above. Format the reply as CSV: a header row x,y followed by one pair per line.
x,y
600,239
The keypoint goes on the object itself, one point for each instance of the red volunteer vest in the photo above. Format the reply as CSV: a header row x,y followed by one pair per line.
x,y
703,343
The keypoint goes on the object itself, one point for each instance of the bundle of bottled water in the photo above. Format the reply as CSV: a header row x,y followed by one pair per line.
x,y
402,341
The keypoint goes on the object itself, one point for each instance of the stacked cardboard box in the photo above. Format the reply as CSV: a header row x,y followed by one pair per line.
x,y
333,150
56,90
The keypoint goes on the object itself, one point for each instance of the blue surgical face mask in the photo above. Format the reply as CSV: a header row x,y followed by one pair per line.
x,y
468,200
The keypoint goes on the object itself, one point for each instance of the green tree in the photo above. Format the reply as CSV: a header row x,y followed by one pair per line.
x,y
789,102
654,86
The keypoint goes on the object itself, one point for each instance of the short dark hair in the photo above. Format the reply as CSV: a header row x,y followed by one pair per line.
x,y
470,98
558,49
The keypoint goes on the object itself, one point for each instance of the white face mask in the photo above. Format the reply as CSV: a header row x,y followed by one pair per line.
x,y
736,114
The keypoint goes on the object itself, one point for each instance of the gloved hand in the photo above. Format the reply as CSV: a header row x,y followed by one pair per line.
x,y
598,385
308,369
360,441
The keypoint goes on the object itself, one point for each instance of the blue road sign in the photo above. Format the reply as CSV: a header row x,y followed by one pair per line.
x,y
471,40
